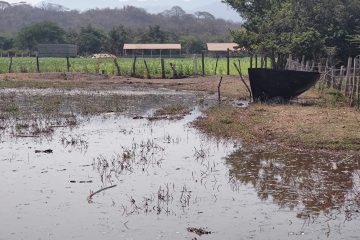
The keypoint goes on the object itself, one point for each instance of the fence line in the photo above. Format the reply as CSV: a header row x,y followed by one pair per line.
x,y
344,79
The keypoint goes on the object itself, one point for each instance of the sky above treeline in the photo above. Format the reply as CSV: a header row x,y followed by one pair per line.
x,y
215,7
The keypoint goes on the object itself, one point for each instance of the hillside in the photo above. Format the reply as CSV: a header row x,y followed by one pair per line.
x,y
13,18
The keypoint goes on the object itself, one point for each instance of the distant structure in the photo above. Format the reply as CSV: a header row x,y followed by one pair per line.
x,y
57,50
222,48
152,50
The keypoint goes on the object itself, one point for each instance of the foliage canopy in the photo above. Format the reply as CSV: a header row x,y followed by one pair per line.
x,y
313,28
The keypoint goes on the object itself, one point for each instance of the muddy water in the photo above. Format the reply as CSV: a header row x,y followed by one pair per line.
x,y
168,177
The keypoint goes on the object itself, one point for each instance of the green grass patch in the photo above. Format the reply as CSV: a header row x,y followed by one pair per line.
x,y
184,66
224,121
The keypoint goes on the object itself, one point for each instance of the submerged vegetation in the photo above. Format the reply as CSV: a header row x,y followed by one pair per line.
x,y
37,112
316,120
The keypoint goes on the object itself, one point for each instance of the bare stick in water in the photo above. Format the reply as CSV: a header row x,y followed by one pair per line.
x,y
89,198
219,92
242,79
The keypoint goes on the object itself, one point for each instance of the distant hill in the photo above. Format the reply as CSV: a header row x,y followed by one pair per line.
x,y
215,7
13,18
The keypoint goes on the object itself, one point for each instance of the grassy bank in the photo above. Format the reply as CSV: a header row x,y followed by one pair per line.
x,y
312,127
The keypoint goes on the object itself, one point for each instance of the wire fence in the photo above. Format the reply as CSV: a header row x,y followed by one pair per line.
x,y
345,79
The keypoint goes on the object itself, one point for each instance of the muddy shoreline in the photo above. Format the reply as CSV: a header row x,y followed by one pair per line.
x,y
310,122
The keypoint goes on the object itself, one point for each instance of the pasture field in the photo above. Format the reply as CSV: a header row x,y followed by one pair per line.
x,y
184,66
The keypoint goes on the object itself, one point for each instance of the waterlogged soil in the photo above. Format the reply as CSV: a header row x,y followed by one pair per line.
x,y
121,176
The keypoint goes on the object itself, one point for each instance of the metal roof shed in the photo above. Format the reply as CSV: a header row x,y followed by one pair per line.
x,y
222,47
152,47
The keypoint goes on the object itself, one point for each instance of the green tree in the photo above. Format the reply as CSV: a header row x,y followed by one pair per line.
x,y
335,20
118,36
6,42
204,15
43,32
300,27
191,44
154,35
71,36
91,40
175,11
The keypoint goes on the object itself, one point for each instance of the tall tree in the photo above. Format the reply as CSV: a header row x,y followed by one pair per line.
x,y
191,44
175,11
301,27
118,36
43,32
6,42
91,40
154,35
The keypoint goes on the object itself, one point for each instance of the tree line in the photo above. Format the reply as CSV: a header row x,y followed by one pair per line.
x,y
22,27
90,39
312,28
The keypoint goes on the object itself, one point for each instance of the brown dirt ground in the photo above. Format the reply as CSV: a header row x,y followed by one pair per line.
x,y
231,86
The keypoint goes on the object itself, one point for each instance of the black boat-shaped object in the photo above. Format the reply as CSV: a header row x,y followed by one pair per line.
x,y
269,84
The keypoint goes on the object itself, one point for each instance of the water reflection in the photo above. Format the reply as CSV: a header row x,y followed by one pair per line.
x,y
311,183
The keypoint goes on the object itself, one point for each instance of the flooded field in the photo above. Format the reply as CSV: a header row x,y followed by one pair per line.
x,y
125,175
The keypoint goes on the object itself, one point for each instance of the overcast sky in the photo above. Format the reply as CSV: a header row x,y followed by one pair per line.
x,y
215,7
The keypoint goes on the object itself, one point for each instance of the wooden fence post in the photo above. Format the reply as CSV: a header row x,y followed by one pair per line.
x,y
68,64
10,65
321,83
196,71
147,70
341,78
354,76
216,64
358,92
303,63
162,68
174,74
133,73
347,78
228,62
117,67
219,90
290,62
312,65
203,62
266,62
332,81
37,64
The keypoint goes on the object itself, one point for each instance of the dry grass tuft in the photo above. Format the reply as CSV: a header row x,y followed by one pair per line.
x,y
311,127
